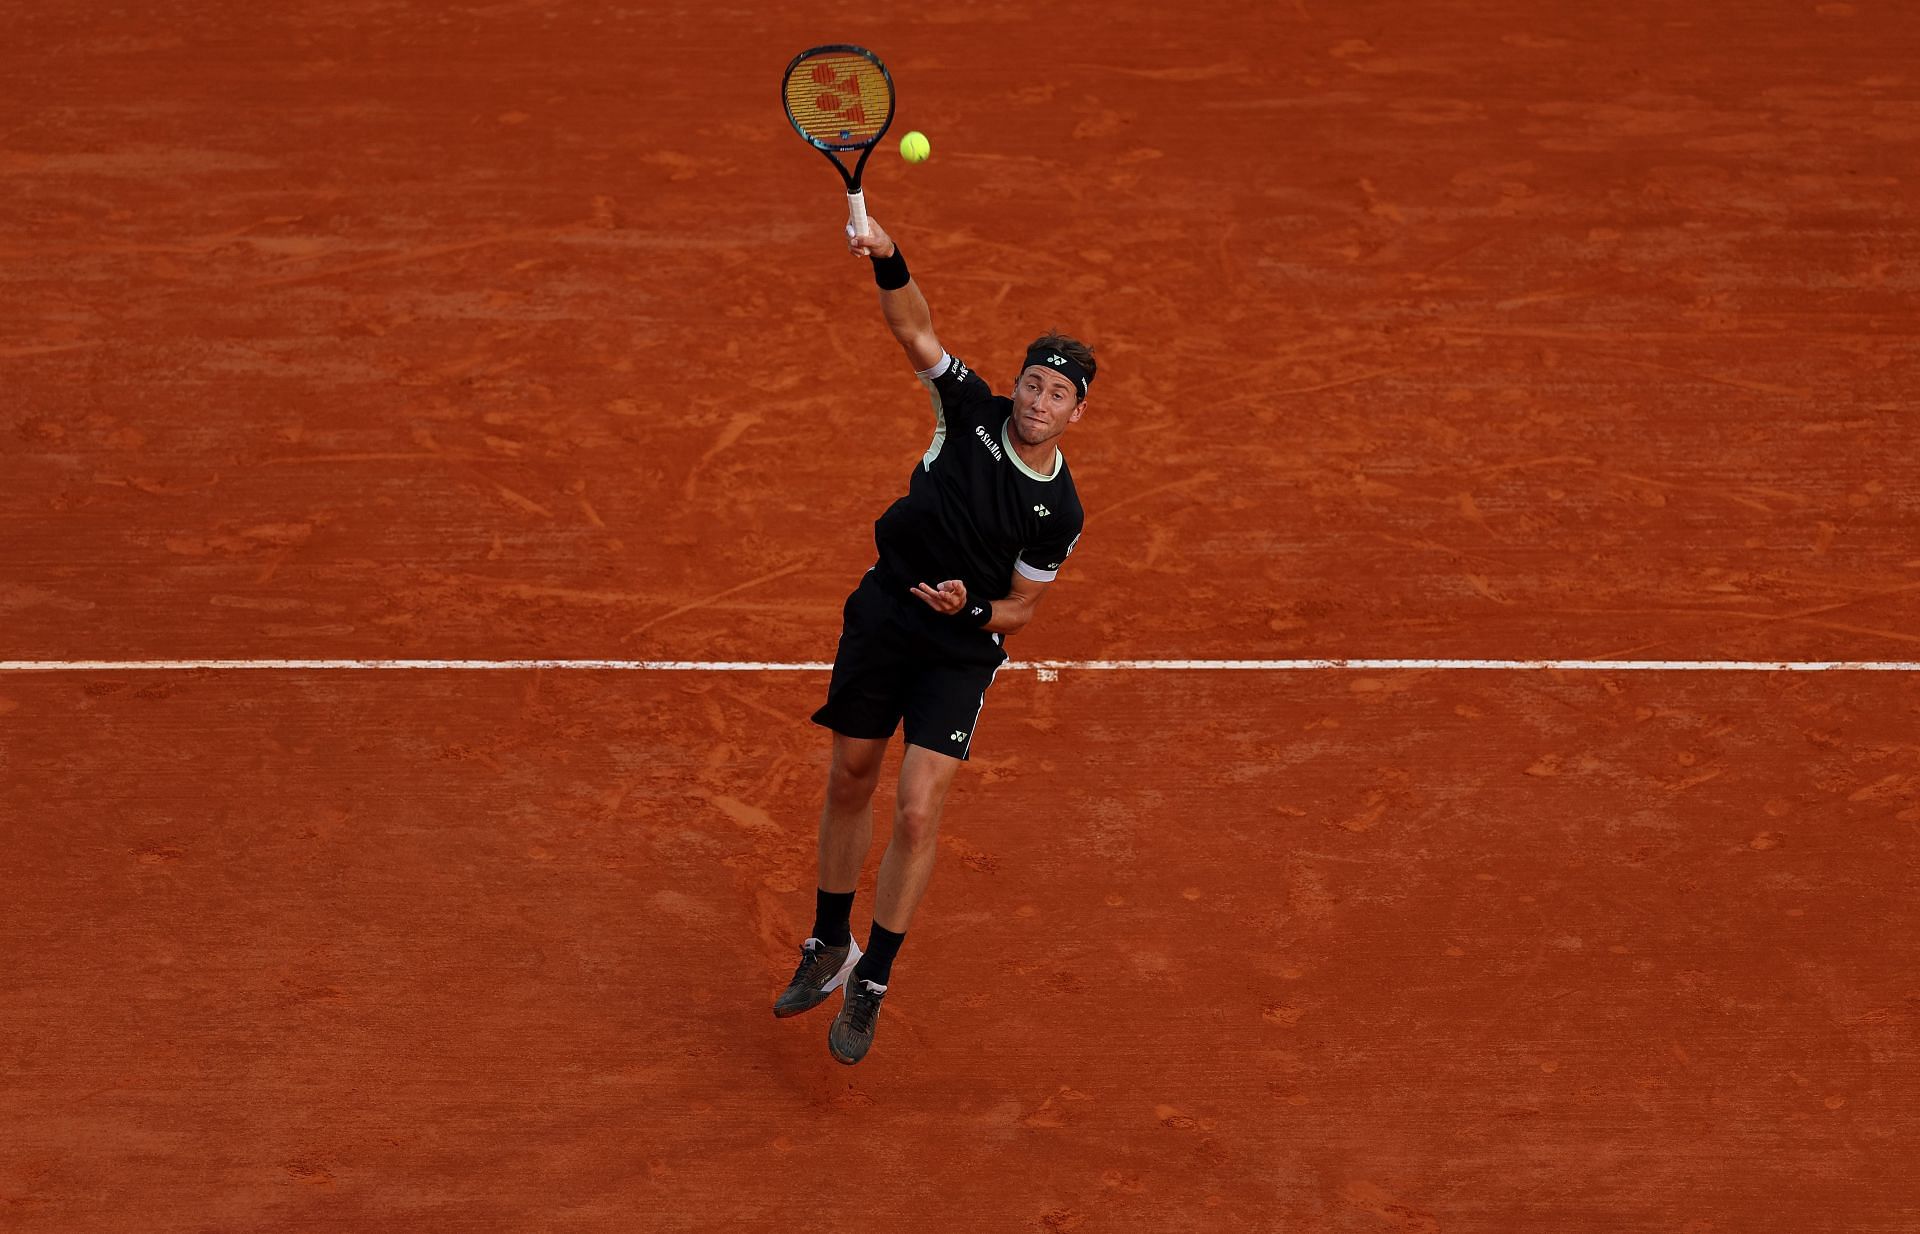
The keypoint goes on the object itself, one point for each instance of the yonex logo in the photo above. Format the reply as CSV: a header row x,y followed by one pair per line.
x,y
977,610
1042,511
1057,361
956,735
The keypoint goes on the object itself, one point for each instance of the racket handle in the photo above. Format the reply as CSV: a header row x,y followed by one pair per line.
x,y
857,212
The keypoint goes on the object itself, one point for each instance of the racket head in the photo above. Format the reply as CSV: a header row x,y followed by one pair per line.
x,y
838,97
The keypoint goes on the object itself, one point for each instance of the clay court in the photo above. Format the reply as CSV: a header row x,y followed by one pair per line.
x,y
525,331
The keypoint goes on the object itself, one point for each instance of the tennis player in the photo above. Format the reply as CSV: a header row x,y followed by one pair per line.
x,y
989,516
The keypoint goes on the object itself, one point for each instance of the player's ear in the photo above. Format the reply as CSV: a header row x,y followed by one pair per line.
x,y
1078,411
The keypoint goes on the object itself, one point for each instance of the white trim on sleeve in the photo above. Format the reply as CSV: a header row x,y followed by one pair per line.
x,y
927,378
1032,573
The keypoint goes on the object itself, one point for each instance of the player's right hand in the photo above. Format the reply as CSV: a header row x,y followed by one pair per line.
x,y
876,243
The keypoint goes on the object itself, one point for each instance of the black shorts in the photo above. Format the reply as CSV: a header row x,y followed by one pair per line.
x,y
897,663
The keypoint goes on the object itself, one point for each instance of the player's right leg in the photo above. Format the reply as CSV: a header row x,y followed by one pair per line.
x,y
846,817
863,708
846,833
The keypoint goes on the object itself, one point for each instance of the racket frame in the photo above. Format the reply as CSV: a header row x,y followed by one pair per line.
x,y
856,196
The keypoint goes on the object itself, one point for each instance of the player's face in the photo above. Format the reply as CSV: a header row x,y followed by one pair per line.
x,y
1044,403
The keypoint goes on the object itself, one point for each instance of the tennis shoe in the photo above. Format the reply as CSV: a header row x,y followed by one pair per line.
x,y
822,970
852,1033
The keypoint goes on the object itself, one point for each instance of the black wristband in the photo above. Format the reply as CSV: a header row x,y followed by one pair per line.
x,y
890,273
976,613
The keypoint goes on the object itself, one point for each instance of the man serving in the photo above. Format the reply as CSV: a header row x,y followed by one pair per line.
x,y
989,517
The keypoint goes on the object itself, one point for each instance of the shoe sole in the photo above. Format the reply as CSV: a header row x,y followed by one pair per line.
x,y
839,979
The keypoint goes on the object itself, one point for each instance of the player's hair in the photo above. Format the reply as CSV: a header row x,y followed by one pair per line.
x,y
1070,347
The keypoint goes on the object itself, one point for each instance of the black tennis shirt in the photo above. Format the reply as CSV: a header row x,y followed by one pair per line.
x,y
973,510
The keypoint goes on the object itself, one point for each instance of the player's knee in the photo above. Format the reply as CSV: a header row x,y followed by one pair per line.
x,y
850,784
916,824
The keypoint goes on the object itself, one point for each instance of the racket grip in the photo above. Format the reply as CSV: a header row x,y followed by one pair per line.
x,y
857,212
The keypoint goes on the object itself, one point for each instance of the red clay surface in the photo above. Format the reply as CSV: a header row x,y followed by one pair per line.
x,y
1412,952
1486,329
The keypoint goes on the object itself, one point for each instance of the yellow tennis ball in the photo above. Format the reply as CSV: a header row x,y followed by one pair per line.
x,y
915,147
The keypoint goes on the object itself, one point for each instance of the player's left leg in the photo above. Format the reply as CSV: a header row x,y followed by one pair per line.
x,y
905,871
942,709
907,867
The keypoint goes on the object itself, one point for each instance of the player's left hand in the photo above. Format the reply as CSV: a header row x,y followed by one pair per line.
x,y
949,597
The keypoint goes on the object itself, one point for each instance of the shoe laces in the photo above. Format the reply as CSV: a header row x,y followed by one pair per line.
x,y
812,952
863,1005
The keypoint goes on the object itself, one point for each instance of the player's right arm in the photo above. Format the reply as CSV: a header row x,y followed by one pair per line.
x,y
905,308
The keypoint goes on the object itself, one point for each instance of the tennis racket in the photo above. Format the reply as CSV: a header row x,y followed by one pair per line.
x,y
840,99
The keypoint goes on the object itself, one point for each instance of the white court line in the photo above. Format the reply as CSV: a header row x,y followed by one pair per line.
x,y
1042,666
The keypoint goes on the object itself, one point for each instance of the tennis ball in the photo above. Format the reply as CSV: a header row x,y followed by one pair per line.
x,y
915,147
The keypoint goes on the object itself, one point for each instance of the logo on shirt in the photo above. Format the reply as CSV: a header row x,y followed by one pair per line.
x,y
986,439
1042,511
956,735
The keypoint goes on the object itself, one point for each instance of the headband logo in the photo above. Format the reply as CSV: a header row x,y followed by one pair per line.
x,y
1062,364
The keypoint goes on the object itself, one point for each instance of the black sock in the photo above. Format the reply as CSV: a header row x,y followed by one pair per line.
x,y
831,912
876,963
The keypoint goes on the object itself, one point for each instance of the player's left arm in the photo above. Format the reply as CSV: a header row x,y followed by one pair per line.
x,y
1030,581
1012,614
1009,614
1034,570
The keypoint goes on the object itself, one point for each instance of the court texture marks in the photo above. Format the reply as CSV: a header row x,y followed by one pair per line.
x,y
436,441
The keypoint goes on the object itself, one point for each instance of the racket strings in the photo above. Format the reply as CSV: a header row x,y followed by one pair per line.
x,y
838,100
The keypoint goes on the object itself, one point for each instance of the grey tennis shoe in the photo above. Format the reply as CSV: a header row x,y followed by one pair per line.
x,y
852,1033
822,970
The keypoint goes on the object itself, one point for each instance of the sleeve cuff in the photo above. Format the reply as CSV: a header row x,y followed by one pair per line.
x,y
938,370
1032,573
